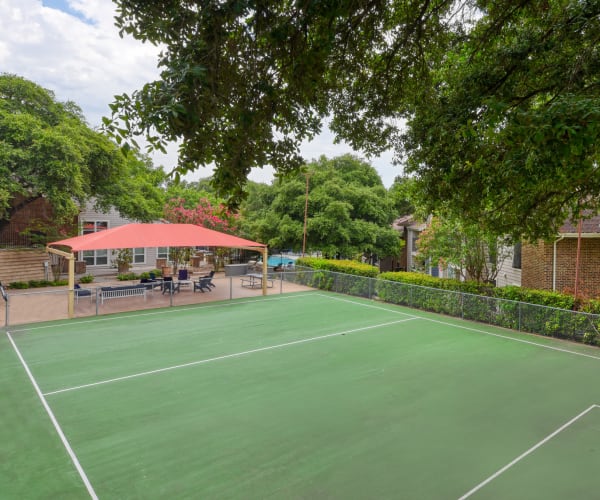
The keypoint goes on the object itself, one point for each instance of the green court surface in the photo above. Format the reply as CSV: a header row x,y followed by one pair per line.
x,y
301,396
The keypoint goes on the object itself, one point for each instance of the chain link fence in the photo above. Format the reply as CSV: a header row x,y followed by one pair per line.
x,y
519,316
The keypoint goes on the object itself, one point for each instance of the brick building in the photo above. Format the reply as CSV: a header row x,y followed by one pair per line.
x,y
551,265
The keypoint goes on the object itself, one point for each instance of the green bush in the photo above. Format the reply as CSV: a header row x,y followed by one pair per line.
x,y
88,278
339,266
18,285
540,297
127,277
443,283
36,284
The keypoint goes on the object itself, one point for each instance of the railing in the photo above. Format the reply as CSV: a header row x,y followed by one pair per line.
x,y
519,316
12,236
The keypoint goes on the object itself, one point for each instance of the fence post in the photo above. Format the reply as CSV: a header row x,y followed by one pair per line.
x,y
520,303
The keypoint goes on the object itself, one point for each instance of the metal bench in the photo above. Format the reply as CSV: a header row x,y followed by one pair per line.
x,y
119,292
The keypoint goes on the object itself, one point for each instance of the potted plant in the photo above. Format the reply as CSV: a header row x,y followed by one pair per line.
x,y
123,259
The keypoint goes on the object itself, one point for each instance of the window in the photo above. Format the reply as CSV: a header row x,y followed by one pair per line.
x,y
517,256
139,255
94,257
162,253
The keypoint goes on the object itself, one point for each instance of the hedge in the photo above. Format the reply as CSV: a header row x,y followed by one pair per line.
x,y
339,266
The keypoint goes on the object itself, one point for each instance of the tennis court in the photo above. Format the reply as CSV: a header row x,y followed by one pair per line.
x,y
307,395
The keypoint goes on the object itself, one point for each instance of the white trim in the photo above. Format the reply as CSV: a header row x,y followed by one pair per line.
x,y
528,452
55,423
576,235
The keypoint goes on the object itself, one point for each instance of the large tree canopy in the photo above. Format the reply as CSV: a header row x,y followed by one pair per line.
x,y
244,82
501,97
48,151
349,212
506,135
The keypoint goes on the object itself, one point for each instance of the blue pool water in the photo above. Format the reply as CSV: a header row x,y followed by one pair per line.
x,y
278,260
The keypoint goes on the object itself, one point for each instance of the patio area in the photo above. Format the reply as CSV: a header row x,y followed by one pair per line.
x,y
46,304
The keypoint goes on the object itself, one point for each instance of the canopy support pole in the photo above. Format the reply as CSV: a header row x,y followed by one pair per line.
x,y
71,258
265,258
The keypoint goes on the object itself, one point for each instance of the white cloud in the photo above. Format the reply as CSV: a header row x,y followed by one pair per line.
x,y
82,58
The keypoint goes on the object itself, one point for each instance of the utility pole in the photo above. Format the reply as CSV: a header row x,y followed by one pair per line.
x,y
305,214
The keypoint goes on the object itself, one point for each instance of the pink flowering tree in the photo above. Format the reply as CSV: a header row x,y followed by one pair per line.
x,y
217,217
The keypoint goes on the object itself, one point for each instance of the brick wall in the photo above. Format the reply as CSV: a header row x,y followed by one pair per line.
x,y
537,265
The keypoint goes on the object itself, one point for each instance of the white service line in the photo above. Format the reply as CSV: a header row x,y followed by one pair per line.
x,y
528,452
61,434
225,356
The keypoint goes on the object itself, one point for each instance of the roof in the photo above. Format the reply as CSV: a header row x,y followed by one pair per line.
x,y
588,226
154,235
408,221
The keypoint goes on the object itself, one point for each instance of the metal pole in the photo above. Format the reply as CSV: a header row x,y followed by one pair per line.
x,y
577,257
305,215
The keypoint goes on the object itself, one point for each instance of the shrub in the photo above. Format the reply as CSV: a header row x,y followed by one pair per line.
x,y
443,283
127,277
18,285
88,278
339,266
36,284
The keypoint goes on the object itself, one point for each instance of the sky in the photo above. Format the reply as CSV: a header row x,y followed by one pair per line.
x,y
73,48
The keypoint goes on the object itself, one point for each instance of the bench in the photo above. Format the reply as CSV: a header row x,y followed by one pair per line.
x,y
118,292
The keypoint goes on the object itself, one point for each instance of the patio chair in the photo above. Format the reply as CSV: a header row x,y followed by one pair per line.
x,y
169,285
210,276
82,292
203,284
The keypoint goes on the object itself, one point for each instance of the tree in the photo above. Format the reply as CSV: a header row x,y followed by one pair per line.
x,y
400,194
189,204
506,136
201,213
244,83
474,254
501,97
349,212
47,151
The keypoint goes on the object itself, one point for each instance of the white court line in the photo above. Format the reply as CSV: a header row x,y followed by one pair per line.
x,y
523,341
370,306
173,310
528,452
50,413
225,356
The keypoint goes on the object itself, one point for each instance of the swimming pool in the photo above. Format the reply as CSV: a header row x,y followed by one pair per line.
x,y
279,260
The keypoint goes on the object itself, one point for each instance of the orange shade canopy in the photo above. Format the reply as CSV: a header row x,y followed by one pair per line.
x,y
154,235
